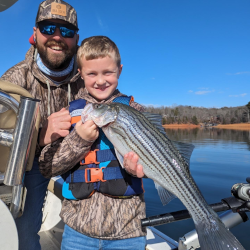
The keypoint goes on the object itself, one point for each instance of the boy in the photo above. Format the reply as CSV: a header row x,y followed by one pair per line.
x,y
102,216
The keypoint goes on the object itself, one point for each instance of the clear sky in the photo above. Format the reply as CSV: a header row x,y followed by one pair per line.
x,y
179,52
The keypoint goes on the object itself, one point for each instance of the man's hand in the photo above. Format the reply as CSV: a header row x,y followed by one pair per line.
x,y
57,125
88,130
130,164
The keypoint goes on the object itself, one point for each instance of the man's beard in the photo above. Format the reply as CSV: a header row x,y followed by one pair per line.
x,y
55,61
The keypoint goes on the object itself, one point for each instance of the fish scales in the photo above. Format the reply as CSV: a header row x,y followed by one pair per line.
x,y
155,158
129,130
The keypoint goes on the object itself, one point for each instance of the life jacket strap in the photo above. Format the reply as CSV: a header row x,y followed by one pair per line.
x,y
90,158
75,119
97,156
94,175
89,175
124,100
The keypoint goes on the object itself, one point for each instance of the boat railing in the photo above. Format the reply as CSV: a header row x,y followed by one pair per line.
x,y
235,206
18,140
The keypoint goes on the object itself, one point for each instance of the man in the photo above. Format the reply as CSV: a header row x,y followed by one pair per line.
x,y
49,73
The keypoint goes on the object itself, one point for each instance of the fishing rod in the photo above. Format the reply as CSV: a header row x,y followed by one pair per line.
x,y
238,203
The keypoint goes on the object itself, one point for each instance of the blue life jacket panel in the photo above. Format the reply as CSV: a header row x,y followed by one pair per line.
x,y
100,170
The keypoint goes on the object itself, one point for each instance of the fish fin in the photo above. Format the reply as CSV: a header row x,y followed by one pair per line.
x,y
216,236
119,157
185,150
164,194
156,120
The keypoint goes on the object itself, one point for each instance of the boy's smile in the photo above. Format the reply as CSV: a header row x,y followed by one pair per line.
x,y
100,76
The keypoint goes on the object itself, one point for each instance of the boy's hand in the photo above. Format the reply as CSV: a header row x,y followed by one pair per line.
x,y
130,164
88,130
56,126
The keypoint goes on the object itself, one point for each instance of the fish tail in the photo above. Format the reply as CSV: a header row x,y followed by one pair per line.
x,y
213,235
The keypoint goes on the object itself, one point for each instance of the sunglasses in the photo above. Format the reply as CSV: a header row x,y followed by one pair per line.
x,y
49,28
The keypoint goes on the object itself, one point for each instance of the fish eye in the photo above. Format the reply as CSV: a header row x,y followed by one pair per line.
x,y
97,106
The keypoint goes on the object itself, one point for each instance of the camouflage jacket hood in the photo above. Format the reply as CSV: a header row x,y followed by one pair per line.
x,y
53,97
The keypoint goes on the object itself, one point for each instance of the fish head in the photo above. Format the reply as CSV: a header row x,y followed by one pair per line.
x,y
100,114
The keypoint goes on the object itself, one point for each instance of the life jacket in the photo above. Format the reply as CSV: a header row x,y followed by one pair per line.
x,y
100,170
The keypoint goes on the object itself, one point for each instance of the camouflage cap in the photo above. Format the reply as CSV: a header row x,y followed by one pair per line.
x,y
57,9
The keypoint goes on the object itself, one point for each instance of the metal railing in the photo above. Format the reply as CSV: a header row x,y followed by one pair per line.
x,y
19,142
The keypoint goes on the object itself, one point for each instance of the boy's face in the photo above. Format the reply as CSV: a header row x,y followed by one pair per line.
x,y
100,76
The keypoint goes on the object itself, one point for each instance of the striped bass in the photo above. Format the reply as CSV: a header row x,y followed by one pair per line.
x,y
129,130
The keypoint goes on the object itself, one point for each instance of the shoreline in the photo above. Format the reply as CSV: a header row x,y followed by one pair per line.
x,y
236,126
182,126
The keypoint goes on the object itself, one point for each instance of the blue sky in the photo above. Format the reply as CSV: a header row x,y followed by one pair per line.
x,y
174,52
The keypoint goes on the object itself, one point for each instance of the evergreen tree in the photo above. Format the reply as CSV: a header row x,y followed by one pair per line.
x,y
194,120
248,106
233,120
164,121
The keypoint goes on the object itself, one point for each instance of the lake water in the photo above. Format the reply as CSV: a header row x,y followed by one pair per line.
x,y
220,159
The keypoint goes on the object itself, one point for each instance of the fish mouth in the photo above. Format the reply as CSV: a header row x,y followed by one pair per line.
x,y
106,125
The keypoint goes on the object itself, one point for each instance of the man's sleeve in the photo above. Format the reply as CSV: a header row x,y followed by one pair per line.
x,y
18,74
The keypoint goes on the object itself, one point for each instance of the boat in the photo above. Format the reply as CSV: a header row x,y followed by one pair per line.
x,y
19,124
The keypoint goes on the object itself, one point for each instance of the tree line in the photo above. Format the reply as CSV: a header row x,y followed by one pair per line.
x,y
195,115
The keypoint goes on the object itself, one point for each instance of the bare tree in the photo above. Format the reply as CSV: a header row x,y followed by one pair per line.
x,y
185,114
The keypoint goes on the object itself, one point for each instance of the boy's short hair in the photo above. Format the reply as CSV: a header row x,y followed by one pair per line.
x,y
97,47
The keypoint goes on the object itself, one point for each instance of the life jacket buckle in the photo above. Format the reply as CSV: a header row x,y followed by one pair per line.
x,y
94,175
90,158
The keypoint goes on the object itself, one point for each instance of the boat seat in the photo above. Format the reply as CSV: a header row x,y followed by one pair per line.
x,y
8,120
55,186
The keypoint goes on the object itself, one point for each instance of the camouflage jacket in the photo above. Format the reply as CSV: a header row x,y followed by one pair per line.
x,y
27,75
99,216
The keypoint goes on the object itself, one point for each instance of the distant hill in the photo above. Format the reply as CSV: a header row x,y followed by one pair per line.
x,y
195,115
